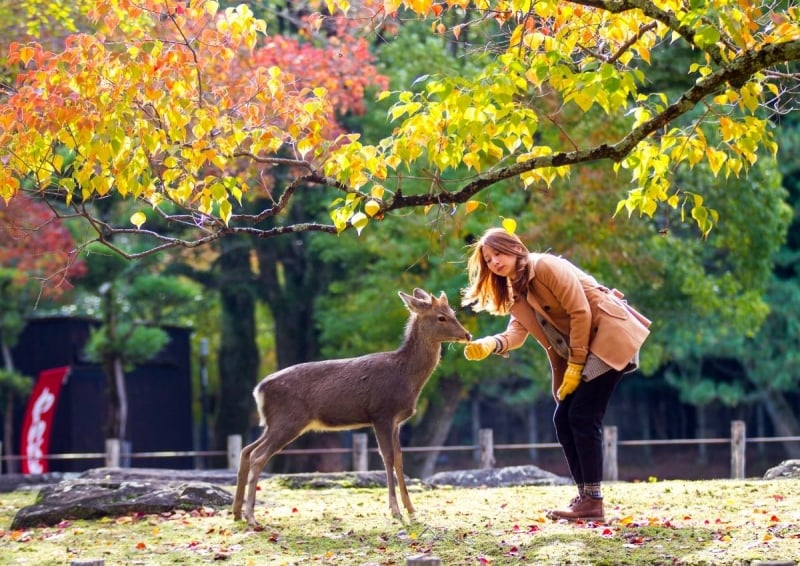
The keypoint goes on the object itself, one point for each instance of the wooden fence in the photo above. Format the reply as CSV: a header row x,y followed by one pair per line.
x,y
486,449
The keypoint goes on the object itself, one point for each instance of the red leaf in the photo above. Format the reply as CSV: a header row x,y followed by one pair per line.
x,y
513,551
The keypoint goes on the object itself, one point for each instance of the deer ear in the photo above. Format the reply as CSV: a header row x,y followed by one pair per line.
x,y
421,294
414,304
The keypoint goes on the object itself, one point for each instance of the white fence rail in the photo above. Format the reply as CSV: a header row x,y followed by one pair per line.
x,y
486,449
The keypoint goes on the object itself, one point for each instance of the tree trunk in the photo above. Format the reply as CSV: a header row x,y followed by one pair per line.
x,y
701,432
238,358
434,426
12,466
784,420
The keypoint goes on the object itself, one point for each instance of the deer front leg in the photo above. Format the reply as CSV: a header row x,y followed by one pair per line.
x,y
398,467
383,432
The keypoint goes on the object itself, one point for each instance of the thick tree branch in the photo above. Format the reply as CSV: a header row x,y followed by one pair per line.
x,y
736,74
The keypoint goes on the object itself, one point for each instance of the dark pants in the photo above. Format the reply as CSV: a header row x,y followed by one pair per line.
x,y
578,420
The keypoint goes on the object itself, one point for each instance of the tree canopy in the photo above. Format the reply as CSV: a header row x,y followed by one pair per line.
x,y
186,108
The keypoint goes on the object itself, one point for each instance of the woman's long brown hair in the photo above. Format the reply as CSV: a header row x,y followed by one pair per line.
x,y
487,291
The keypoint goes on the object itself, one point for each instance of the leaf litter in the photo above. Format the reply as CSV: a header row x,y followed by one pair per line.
x,y
656,522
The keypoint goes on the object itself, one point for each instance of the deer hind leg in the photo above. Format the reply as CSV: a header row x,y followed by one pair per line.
x,y
398,468
385,436
241,476
274,437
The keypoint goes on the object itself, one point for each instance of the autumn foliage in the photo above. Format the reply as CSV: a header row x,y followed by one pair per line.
x,y
37,246
184,107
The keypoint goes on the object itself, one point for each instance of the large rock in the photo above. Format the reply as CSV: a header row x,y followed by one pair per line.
x,y
497,477
23,482
786,469
95,498
221,477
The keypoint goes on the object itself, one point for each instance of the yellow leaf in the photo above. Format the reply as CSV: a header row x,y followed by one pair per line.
x,y
510,225
472,205
359,220
377,191
304,146
625,521
225,210
391,6
372,207
472,161
26,54
715,159
516,36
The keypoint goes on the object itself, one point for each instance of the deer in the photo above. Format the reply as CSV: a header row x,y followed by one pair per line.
x,y
379,389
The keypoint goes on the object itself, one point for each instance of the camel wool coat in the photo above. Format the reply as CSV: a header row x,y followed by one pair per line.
x,y
591,316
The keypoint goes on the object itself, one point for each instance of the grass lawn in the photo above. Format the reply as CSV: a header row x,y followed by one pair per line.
x,y
713,522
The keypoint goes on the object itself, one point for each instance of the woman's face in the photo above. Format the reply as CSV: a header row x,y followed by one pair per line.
x,y
504,265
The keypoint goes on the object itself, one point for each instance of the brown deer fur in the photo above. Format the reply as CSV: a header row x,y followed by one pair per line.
x,y
378,390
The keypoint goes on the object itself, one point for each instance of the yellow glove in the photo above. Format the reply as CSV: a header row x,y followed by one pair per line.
x,y
480,348
572,378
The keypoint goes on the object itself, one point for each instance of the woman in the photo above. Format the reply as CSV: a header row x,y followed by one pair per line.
x,y
591,336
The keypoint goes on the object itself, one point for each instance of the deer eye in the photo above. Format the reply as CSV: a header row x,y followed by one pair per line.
x,y
442,318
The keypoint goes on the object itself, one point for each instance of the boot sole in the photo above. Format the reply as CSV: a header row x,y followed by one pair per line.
x,y
556,517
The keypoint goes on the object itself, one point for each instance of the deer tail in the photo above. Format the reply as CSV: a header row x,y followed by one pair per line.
x,y
260,403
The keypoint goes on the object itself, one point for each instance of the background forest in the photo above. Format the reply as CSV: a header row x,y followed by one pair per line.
x,y
725,340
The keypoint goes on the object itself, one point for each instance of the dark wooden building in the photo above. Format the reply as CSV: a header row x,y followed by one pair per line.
x,y
159,395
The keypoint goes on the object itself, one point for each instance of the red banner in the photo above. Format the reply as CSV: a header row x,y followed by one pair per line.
x,y
38,422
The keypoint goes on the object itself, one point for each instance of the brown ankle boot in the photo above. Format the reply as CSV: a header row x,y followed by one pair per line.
x,y
586,509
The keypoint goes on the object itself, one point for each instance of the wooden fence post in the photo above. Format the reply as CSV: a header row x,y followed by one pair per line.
x,y
234,451
486,446
610,468
360,455
113,450
738,443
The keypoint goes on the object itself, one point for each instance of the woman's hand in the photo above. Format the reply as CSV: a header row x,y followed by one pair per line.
x,y
572,378
480,348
